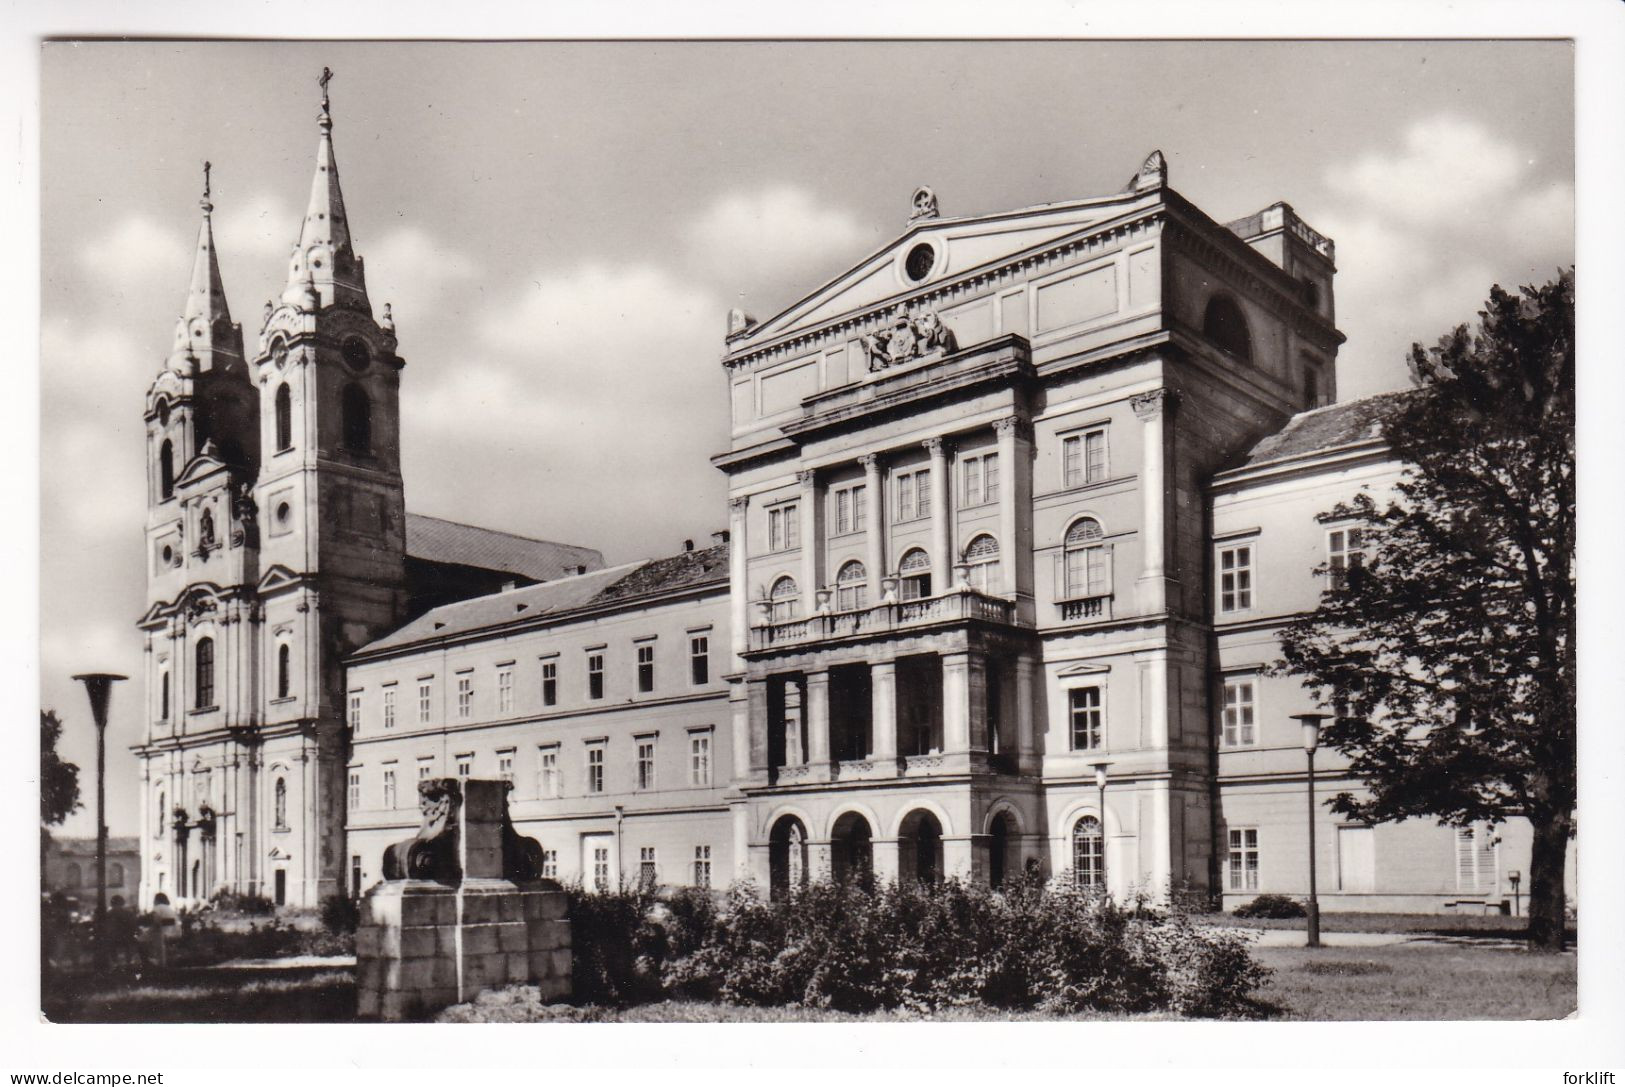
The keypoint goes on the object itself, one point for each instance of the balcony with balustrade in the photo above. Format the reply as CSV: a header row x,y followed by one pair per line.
x,y
962,605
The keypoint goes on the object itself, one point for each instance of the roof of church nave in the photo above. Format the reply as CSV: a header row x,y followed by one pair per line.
x,y
435,539
613,585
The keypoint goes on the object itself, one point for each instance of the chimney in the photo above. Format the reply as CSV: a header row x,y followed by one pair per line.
x,y
719,538
688,545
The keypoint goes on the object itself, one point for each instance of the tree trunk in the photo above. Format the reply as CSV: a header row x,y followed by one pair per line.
x,y
1546,861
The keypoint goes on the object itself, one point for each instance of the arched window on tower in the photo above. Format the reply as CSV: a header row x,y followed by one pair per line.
x,y
205,674
205,530
166,469
1224,325
158,831
280,809
284,418
357,420
163,695
284,671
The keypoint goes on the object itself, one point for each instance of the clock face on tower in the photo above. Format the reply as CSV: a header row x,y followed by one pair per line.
x,y
355,354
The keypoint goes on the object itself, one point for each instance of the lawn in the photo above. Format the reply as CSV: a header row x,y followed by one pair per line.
x,y
1436,924
1416,981
284,995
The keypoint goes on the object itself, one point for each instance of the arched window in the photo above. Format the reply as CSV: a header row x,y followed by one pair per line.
x,y
72,878
166,469
357,420
982,560
1088,852
158,831
284,671
205,529
280,810
1086,572
851,587
284,418
115,874
915,571
1224,325
163,695
785,600
205,674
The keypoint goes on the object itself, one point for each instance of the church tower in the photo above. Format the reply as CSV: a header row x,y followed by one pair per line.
x,y
332,551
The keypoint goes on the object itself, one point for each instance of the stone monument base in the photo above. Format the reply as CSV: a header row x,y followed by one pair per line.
x,y
422,945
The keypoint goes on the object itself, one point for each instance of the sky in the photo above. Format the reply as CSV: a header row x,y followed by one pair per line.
x,y
562,228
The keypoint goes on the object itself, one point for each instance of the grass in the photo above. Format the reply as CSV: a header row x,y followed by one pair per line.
x,y
1416,981
289,995
1435,924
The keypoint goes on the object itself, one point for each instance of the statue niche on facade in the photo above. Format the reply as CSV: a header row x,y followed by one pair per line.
x,y
432,854
908,339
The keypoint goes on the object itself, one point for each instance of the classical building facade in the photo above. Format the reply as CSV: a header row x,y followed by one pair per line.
x,y
1017,507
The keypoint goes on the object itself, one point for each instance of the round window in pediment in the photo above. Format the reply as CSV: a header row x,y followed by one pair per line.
x,y
919,262
283,513
355,354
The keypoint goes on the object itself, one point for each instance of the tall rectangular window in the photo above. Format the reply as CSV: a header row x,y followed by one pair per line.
x,y
849,509
595,768
389,707
425,700
1476,857
783,528
595,675
600,867
1345,550
550,864
505,765
425,769
981,474
646,668
913,494
505,689
550,683
547,771
1236,578
699,659
389,788
355,711
1083,458
465,697
354,795
465,766
646,763
646,866
1084,711
1239,729
702,866
1241,873
699,758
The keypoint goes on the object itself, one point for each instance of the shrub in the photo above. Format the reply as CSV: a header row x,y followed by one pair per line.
x,y
340,914
246,904
1273,906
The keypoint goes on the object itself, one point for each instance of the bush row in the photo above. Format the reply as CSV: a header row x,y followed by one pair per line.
x,y
851,947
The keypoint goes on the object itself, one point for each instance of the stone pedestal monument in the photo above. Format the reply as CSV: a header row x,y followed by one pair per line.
x,y
462,908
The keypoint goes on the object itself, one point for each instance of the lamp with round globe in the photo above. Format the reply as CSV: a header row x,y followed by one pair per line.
x,y
1311,740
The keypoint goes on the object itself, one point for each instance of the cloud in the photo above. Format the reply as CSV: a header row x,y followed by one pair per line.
x,y
413,271
1424,229
136,250
771,239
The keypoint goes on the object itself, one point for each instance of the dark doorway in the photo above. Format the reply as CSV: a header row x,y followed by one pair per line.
x,y
919,847
787,856
998,849
280,897
852,848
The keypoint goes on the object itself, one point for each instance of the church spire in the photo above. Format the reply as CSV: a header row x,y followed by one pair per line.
x,y
205,324
324,254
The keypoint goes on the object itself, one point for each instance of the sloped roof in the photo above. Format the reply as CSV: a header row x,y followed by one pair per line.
x,y
433,539
646,577
1327,428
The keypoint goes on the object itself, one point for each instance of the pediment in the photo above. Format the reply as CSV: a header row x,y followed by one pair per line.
x,y
277,577
156,615
1083,668
946,250
199,468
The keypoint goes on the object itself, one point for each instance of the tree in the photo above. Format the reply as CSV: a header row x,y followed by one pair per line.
x,y
58,781
1448,653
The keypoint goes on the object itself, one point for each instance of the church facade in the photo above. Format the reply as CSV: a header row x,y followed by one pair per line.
x,y
1017,505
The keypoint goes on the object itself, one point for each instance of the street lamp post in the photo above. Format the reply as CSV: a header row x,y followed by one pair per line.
x,y
99,686
1100,785
1515,877
1311,740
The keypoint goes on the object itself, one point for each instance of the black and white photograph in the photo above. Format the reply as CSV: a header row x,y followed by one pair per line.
x,y
859,529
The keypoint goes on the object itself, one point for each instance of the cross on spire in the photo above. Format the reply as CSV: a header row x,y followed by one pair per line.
x,y
207,166
324,79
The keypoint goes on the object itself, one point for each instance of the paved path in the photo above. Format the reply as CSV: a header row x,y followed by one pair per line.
x,y
337,962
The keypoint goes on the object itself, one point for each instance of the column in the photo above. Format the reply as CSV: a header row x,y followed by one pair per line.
x,y
1150,408
815,705
883,711
1025,694
976,701
738,589
943,556
955,703
808,516
874,558
1006,430
756,726
791,723
887,858
739,708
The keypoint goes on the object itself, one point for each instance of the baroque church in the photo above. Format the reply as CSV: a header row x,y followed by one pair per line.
x,y
1017,506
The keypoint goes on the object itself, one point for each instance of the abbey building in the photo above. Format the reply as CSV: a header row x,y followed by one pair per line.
x,y
1016,507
